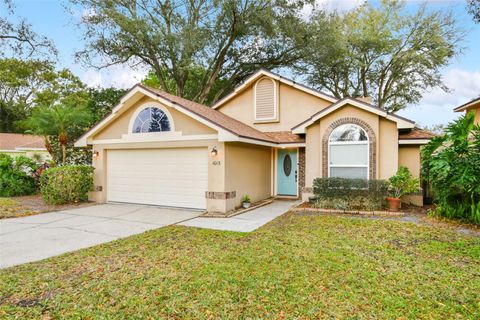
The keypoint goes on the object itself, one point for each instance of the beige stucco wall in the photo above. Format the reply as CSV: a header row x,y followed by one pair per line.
x,y
477,116
409,156
182,122
248,170
387,148
313,155
294,107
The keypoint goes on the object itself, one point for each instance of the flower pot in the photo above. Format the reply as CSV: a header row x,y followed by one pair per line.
x,y
246,205
394,204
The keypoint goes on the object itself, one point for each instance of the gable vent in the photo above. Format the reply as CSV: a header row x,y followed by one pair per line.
x,y
265,104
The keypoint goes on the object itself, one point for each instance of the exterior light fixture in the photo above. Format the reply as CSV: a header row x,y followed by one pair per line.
x,y
96,154
214,152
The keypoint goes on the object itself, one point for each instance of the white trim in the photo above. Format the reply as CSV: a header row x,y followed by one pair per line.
x,y
290,145
413,141
349,165
148,105
32,149
266,73
12,151
265,143
364,142
467,105
156,137
401,124
275,102
349,142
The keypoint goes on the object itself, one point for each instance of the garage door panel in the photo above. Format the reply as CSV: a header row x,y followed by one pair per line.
x,y
169,177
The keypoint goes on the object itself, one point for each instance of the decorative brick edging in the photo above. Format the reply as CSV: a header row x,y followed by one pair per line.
x,y
372,148
369,213
237,211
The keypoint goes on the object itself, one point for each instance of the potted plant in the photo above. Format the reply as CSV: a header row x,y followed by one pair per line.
x,y
401,184
246,202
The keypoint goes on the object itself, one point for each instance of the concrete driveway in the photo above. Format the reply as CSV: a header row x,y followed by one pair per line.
x,y
45,235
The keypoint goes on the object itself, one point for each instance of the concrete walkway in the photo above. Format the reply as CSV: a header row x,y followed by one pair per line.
x,y
245,222
45,235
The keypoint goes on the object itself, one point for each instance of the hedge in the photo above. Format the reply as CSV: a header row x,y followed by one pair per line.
x,y
348,194
66,184
17,176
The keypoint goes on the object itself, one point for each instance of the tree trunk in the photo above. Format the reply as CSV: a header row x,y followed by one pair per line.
x,y
49,148
64,154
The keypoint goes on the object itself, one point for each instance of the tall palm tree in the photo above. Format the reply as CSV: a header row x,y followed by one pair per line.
x,y
55,120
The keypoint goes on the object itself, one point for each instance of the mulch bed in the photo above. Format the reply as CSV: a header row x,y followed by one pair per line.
x,y
238,211
307,207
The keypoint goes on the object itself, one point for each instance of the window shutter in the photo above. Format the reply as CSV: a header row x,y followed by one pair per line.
x,y
265,100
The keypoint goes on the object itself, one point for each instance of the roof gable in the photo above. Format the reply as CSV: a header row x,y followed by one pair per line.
x,y
229,129
402,123
467,105
266,73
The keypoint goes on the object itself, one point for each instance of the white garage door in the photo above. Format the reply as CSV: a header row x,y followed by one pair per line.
x,y
166,177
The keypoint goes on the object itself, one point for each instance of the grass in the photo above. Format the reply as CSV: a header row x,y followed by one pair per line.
x,y
295,267
10,208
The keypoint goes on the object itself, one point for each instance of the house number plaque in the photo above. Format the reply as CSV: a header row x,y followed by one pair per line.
x,y
216,163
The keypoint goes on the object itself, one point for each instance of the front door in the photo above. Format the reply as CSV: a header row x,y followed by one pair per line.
x,y
287,172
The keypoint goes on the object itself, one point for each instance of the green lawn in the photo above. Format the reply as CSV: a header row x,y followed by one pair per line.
x,y
295,267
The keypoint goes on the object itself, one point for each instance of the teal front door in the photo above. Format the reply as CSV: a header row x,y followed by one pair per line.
x,y
287,172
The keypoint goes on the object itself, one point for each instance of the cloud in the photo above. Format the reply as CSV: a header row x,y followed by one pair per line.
x,y
115,76
437,106
330,5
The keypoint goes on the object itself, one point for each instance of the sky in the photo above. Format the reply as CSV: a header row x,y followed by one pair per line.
x,y
57,20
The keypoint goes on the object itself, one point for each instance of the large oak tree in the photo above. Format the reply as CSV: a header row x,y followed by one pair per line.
x,y
380,51
19,39
177,39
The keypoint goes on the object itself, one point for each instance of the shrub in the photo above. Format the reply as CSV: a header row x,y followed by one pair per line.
x,y
451,163
17,176
348,194
66,184
403,183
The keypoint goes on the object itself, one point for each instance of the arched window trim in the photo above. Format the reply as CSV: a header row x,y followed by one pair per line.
x,y
150,105
275,104
362,142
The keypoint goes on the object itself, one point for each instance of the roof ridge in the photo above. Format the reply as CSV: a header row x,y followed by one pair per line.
x,y
169,97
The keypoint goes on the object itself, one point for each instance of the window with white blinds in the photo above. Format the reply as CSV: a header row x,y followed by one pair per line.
x,y
348,152
265,100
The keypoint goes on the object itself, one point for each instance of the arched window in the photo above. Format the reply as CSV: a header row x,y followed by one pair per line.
x,y
348,152
151,119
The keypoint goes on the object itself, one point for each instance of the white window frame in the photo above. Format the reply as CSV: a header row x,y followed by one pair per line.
x,y
150,105
366,142
275,105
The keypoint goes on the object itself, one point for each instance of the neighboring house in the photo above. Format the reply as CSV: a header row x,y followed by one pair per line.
x,y
16,144
270,137
471,106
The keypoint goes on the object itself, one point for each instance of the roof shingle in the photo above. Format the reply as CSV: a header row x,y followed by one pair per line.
x,y
416,133
11,141
218,118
